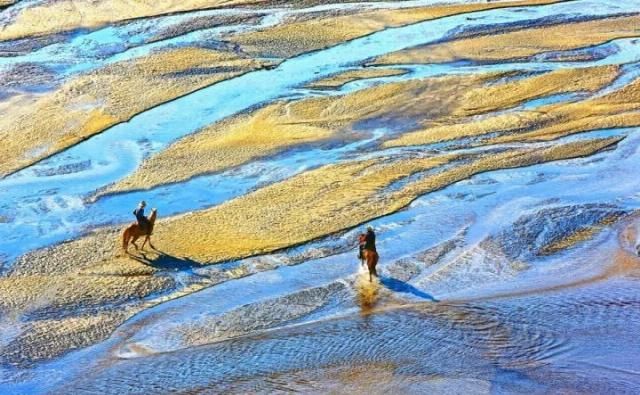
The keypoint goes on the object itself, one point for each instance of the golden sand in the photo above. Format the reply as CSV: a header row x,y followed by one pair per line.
x,y
65,15
280,126
88,104
296,37
223,145
519,44
579,236
503,96
49,338
617,109
75,290
338,80
307,206
328,200
62,307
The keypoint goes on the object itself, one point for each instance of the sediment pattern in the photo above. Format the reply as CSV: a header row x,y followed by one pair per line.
x,y
520,44
490,145
90,103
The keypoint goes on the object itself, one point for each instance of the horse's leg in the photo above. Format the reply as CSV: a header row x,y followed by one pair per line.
x,y
376,257
146,238
133,241
150,245
125,240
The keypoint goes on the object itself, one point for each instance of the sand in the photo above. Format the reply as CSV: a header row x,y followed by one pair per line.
x,y
338,80
616,109
328,200
90,103
300,36
518,44
280,126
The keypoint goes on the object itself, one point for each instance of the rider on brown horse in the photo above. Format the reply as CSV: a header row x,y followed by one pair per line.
x,y
143,227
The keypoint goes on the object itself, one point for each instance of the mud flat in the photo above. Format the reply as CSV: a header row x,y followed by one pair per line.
x,y
519,44
88,104
293,37
616,109
51,314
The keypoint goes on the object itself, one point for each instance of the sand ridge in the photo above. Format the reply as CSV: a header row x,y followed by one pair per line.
x,y
518,44
90,103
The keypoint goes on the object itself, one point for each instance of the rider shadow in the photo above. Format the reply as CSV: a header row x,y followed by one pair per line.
x,y
163,261
403,287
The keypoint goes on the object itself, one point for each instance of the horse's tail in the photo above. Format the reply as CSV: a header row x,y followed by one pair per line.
x,y
126,236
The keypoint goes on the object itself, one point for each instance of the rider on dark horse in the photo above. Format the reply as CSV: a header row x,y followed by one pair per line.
x,y
370,240
143,221
368,253
366,242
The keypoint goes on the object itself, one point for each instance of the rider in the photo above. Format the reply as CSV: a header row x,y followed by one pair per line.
x,y
143,221
370,239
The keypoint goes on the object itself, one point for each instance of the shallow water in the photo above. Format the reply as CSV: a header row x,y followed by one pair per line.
x,y
467,301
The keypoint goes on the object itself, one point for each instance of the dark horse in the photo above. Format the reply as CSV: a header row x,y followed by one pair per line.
x,y
371,257
133,233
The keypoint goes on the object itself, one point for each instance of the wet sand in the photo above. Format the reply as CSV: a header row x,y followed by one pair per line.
x,y
497,180
615,109
281,126
91,103
297,37
519,44
339,80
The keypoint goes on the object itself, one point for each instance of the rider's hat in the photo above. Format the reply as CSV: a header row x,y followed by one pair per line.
x,y
369,227
143,203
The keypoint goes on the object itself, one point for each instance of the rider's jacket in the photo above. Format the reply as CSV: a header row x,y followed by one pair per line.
x,y
370,241
139,213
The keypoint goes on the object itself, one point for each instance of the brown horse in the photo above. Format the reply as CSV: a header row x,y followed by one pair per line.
x,y
372,260
133,232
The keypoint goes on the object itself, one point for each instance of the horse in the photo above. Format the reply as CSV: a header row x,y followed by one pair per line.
x,y
371,257
133,232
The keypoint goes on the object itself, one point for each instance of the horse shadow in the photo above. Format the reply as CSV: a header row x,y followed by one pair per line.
x,y
403,287
163,261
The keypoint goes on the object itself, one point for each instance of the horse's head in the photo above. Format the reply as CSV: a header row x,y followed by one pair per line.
x,y
153,215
